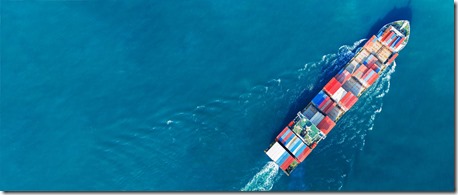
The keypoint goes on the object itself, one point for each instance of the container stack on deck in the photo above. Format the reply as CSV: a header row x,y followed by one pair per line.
x,y
337,97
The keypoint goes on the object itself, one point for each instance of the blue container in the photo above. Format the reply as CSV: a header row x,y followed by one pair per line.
x,y
296,144
283,158
311,110
319,98
282,138
391,38
395,42
299,152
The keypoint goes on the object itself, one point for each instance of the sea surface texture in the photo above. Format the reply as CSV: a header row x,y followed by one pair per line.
x,y
186,95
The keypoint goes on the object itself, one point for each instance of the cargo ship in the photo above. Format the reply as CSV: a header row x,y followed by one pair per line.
x,y
311,125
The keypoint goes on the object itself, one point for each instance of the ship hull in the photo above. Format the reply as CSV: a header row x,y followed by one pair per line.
x,y
311,125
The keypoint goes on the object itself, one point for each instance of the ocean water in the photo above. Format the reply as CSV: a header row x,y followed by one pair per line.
x,y
186,95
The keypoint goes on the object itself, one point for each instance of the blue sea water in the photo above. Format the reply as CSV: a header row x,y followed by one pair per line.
x,y
186,95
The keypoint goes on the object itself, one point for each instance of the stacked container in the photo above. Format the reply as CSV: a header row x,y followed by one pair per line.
x,y
323,102
332,86
335,113
326,125
278,154
343,76
338,96
353,86
348,101
310,111
362,55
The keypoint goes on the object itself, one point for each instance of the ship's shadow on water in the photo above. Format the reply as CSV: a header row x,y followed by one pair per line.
x,y
328,70
397,13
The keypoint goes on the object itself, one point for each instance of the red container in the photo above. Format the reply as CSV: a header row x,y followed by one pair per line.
x,y
287,162
360,71
399,43
289,135
304,154
332,86
392,41
389,35
392,58
372,79
373,66
327,104
348,100
343,76
329,108
291,123
369,43
387,31
281,133
326,125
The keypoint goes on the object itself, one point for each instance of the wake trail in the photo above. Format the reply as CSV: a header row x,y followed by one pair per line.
x,y
263,180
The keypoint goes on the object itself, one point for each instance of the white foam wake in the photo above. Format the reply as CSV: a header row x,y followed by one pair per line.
x,y
263,180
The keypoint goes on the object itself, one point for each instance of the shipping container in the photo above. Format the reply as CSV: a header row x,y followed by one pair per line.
x,y
347,101
353,86
368,59
319,98
383,54
304,154
399,43
391,41
285,135
326,125
395,42
275,151
335,113
374,46
379,34
385,34
392,59
297,151
362,55
293,143
360,71
380,66
343,76
374,67
283,157
339,94
286,164
393,37
282,133
332,86
326,104
365,78
388,37
310,111
370,42
291,123
316,119
329,108
352,66
373,78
